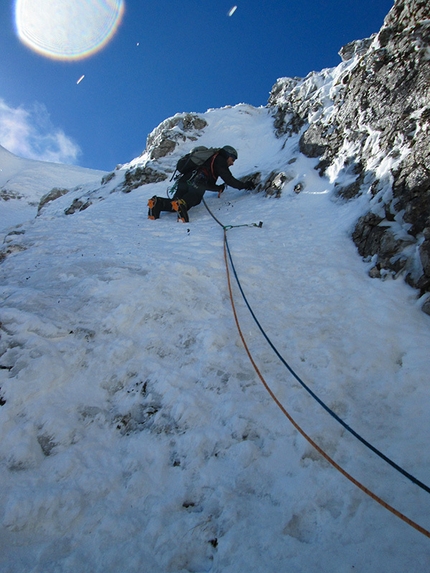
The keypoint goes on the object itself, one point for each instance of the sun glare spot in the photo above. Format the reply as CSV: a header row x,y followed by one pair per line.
x,y
67,29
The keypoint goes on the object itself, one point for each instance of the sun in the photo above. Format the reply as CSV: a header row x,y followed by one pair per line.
x,y
67,29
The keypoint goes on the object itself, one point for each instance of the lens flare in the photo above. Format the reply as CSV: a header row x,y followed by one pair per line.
x,y
67,29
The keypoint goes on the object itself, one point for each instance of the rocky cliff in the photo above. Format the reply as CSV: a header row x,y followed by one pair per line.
x,y
373,111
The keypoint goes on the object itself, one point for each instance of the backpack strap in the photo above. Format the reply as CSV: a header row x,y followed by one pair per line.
x,y
212,165
208,170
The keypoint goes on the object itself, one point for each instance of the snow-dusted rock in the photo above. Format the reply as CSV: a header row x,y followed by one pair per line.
x,y
373,110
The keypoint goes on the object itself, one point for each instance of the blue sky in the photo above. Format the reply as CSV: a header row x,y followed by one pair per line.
x,y
166,57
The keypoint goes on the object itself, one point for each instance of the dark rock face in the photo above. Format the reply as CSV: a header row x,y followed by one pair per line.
x,y
51,196
411,187
77,205
134,178
369,125
163,140
424,252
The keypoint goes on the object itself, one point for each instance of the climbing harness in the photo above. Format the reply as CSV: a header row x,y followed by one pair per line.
x,y
228,258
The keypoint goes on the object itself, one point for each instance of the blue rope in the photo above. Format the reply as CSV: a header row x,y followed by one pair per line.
x,y
300,381
320,402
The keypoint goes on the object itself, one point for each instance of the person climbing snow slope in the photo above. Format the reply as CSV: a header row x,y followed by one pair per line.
x,y
191,186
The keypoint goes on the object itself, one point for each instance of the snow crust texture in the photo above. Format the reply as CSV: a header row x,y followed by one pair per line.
x,y
136,436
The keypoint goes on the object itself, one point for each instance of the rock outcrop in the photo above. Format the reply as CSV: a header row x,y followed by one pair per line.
x,y
163,140
368,122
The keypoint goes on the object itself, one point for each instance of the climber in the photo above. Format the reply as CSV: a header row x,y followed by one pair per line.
x,y
192,186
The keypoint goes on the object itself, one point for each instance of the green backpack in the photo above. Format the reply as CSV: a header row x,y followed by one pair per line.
x,y
189,163
195,159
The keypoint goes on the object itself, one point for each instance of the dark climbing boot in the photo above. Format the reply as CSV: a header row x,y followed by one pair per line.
x,y
154,208
180,207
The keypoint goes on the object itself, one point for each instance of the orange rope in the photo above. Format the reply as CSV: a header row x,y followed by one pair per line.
x,y
299,429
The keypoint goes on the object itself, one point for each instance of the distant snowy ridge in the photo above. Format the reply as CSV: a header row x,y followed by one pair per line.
x,y
23,182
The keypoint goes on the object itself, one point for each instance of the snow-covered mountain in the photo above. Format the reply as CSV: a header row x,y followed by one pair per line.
x,y
23,182
137,435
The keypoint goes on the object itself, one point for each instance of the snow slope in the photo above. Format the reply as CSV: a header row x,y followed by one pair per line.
x,y
24,181
136,435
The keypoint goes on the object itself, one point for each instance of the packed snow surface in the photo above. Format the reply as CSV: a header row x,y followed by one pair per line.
x,y
135,434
